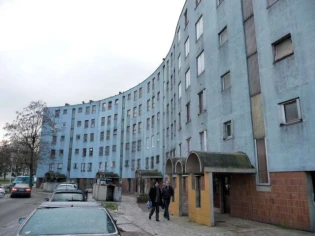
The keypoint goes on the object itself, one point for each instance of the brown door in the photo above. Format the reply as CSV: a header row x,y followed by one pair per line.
x,y
226,193
184,196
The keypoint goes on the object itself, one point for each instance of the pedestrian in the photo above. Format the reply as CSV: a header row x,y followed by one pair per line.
x,y
167,193
155,195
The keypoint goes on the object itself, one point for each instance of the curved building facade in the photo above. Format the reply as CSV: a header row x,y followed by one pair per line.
x,y
239,77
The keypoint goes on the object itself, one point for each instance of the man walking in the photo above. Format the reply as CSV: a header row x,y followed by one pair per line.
x,y
155,195
167,193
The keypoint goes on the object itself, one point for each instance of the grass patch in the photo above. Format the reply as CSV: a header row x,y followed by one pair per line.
x,y
110,205
4,181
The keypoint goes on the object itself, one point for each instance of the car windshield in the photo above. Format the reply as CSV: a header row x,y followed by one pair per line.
x,y
22,179
68,221
66,186
64,197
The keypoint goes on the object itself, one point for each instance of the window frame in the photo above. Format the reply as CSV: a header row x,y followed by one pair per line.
x,y
277,43
282,115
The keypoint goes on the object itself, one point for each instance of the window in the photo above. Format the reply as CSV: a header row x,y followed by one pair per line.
x,y
134,128
198,192
228,130
87,110
109,105
140,110
148,105
115,132
76,151
153,102
148,87
179,90
79,123
186,17
219,2
179,121
116,102
51,167
128,129
127,146
157,159
128,112
86,124
100,165
138,163
140,92
114,148
148,143
135,95
202,101
85,138
126,163
283,48
152,140
80,110
152,162
101,151
132,164
109,120
102,136
147,162
103,121
93,108
148,123
153,83
187,47
82,167
158,117
84,152
93,123
75,165
223,36
203,140
187,78
199,28
107,151
139,145
226,81
89,169
134,111
62,138
105,165
54,140
103,106
167,131
52,153
139,127
158,96
152,122
188,145
108,135
65,111
262,161
200,63
60,152
90,152
289,111
172,131
134,143
197,2
78,137
129,96
179,62
92,137
57,113
188,112
178,35
116,117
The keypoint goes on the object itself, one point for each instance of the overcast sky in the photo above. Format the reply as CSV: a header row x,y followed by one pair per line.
x,y
69,51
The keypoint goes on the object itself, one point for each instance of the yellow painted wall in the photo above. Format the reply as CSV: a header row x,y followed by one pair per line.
x,y
174,206
199,215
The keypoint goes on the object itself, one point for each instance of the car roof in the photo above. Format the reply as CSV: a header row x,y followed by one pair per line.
x,y
70,204
68,191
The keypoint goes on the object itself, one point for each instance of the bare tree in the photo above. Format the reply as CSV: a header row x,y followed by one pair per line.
x,y
25,133
5,158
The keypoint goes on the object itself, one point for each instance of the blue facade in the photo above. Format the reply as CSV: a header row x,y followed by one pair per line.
x,y
220,117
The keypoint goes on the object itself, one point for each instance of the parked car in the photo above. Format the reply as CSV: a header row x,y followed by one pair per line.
x,y
69,218
2,191
23,190
67,195
67,186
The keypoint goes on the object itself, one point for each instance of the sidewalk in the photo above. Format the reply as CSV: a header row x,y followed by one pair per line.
x,y
133,218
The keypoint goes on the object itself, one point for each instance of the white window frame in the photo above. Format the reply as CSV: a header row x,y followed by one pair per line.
x,y
203,140
277,46
178,35
225,134
148,142
199,28
223,81
200,63
179,62
224,32
187,78
187,49
202,101
281,111
188,145
152,140
179,90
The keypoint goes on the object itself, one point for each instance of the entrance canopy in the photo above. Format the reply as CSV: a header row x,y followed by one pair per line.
x,y
218,162
104,175
148,174
175,165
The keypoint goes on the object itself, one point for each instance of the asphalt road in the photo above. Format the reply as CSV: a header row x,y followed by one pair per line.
x,y
11,209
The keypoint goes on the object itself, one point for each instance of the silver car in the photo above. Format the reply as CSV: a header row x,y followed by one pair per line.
x,y
69,218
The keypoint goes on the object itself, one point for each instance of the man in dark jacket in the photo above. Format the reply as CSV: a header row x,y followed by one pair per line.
x,y
155,195
167,193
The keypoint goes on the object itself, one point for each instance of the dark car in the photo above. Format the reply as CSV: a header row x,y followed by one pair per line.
x,y
69,218
22,190
67,195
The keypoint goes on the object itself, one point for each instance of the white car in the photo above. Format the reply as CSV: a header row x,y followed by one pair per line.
x,y
2,191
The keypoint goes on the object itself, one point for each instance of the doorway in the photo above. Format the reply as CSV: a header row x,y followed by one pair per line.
x,y
221,193
184,196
